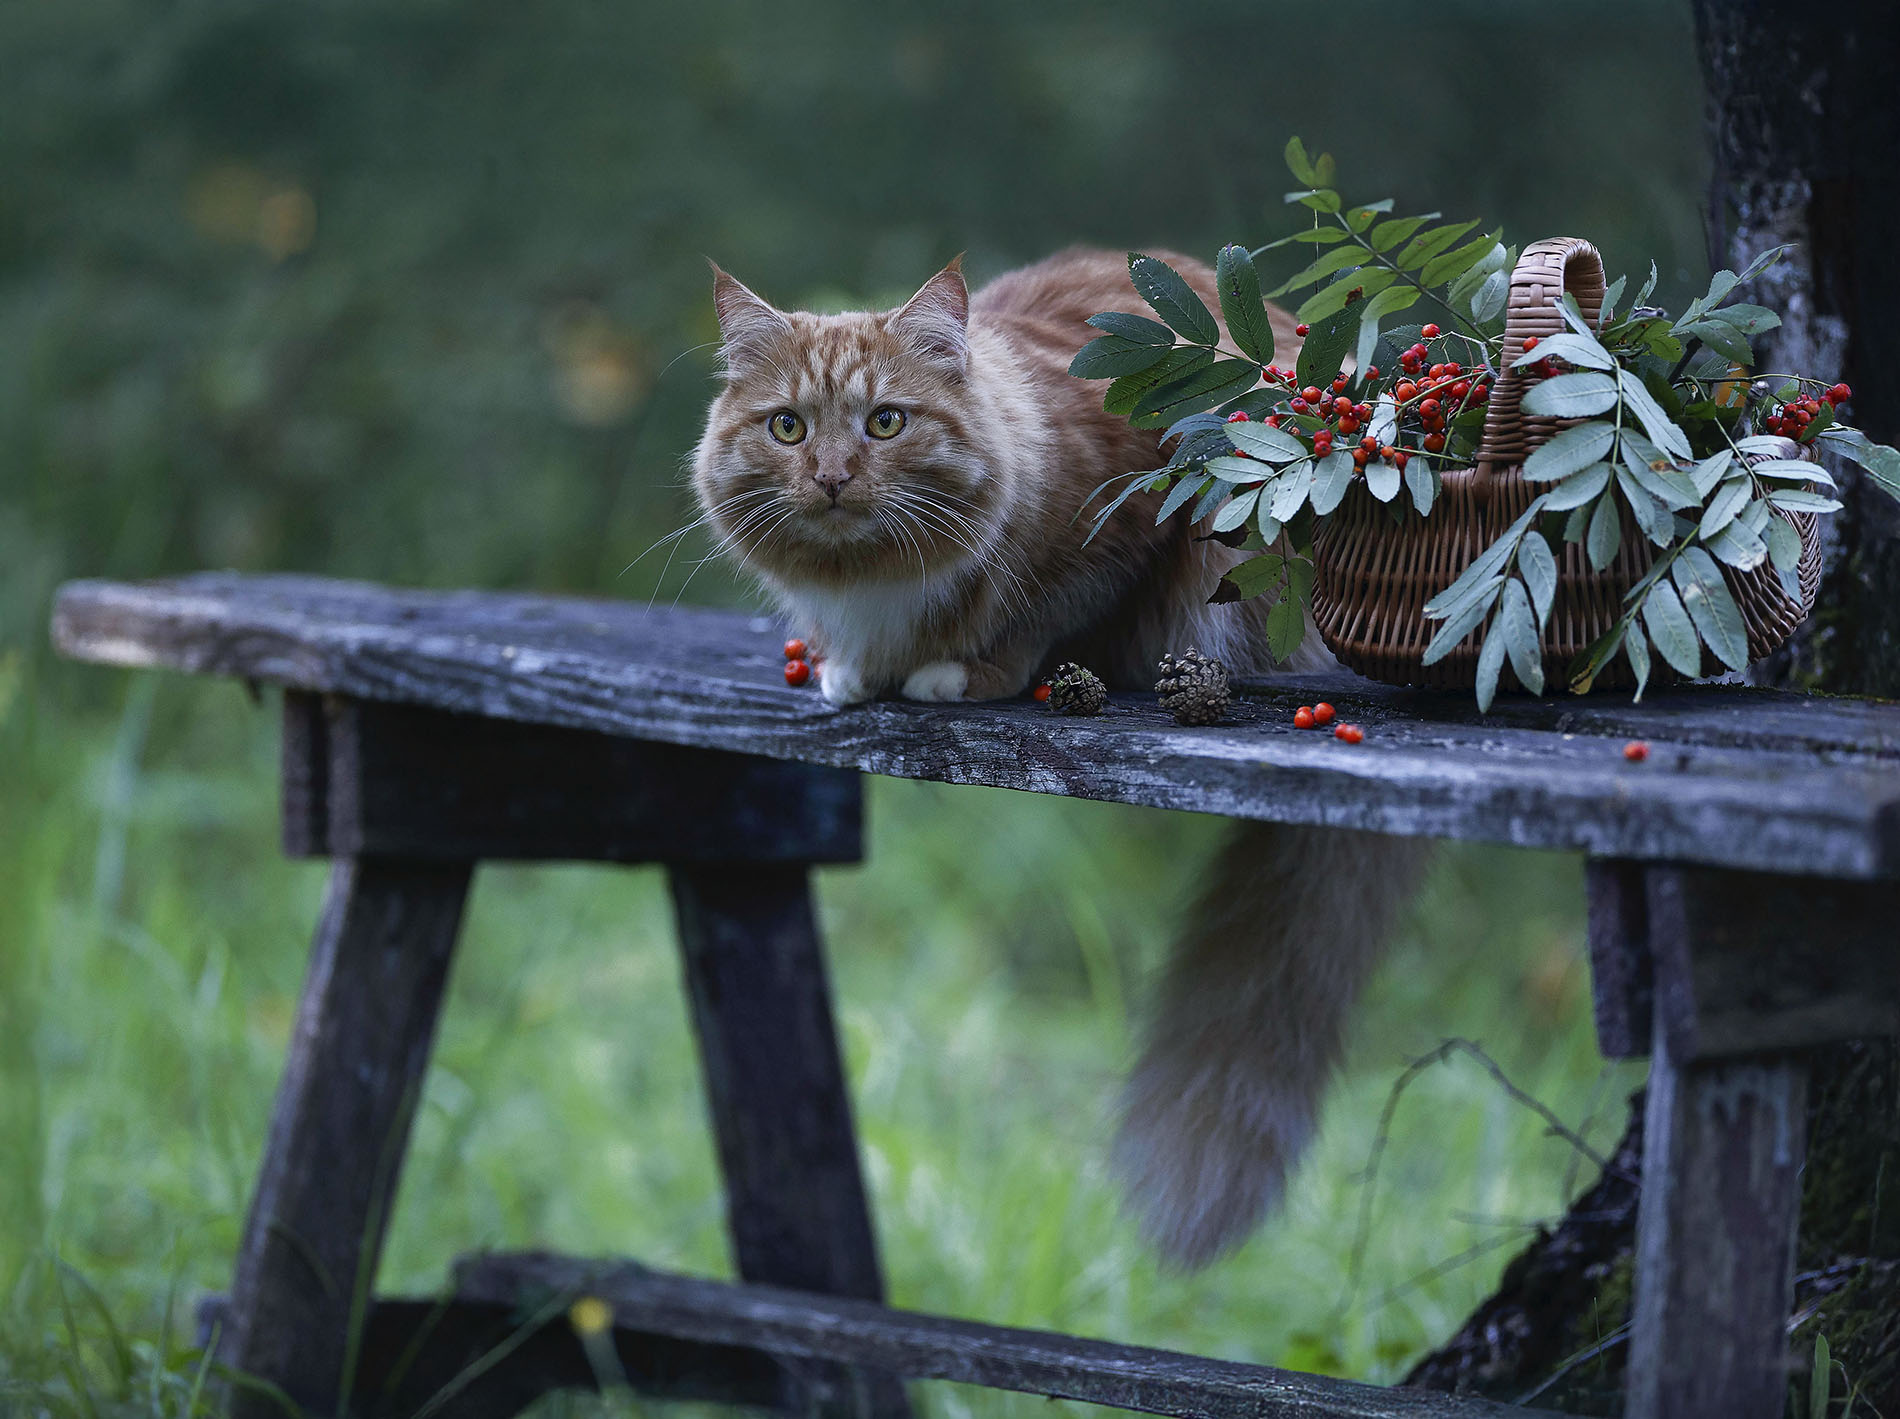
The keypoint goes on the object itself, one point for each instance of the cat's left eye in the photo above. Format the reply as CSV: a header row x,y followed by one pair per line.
x,y
885,422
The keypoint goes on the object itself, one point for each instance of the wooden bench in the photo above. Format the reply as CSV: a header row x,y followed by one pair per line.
x,y
1742,907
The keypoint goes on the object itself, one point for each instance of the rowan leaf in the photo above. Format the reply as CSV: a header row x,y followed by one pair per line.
x,y
1241,303
1520,636
1571,396
1705,596
1569,451
1173,299
1671,629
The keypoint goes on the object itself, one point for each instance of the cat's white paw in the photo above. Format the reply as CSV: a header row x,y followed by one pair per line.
x,y
943,680
843,684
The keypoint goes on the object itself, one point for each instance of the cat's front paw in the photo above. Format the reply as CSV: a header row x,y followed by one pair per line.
x,y
937,682
843,684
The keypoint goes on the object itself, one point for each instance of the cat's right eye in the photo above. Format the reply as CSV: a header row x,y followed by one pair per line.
x,y
786,427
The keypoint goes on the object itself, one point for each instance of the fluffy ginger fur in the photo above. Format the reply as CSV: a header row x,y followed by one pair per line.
x,y
947,561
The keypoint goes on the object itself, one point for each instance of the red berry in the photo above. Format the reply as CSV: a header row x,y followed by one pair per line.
x,y
797,672
1239,416
1299,405
1404,390
1322,713
1322,442
1301,329
1303,717
1360,458
1530,342
1273,421
1041,693
1339,383
1310,394
1348,424
1372,371
1399,460
1430,332
1342,405
1351,733
1362,412
1839,394
1369,444
795,649
1636,751
1429,407
1460,389
1434,443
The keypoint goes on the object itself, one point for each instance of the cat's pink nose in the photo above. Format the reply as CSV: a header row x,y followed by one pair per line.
x,y
831,479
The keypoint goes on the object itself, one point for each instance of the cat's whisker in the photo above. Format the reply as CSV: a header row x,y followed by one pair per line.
x,y
771,496
946,522
982,560
731,543
896,525
705,517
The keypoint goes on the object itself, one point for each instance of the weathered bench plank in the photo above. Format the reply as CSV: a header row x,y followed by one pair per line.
x,y
799,1325
1736,777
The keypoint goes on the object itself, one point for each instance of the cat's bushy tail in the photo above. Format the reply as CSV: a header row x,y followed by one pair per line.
x,y
1248,1025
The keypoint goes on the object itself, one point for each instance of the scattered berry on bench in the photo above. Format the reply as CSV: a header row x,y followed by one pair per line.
x,y
1636,751
797,672
1323,713
1351,733
1303,717
795,649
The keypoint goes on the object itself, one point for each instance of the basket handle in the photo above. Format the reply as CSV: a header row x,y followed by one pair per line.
x,y
1544,271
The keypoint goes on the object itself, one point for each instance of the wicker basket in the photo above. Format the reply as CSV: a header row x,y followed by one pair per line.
x,y
1378,564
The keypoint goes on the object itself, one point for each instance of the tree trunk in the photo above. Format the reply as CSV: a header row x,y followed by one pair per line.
x,y
1804,129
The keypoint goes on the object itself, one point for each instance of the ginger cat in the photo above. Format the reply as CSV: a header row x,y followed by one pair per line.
x,y
909,485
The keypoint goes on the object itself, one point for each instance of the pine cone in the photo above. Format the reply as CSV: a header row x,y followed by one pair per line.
x,y
1073,690
1193,689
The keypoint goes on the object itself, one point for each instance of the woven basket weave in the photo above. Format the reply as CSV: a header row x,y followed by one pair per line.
x,y
1378,564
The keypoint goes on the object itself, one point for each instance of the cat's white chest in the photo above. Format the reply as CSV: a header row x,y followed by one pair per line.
x,y
873,624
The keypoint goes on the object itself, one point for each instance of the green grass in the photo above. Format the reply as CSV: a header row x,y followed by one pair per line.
x,y
987,959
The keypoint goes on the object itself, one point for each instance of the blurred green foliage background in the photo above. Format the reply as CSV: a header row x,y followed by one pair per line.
x,y
415,291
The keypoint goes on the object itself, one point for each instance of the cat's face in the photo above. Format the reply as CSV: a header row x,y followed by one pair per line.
x,y
845,447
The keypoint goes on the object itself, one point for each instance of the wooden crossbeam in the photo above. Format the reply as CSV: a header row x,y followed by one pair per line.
x,y
369,778
463,1359
801,1326
1729,964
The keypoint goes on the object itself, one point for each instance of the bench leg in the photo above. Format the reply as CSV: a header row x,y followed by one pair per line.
x,y
1716,1227
795,1200
357,1058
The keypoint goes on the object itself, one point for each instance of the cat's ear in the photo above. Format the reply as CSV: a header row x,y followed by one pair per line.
x,y
935,321
748,324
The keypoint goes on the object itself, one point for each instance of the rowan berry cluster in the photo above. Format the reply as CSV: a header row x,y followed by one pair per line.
x,y
1322,714
1791,418
1339,415
798,669
1436,392
1428,395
